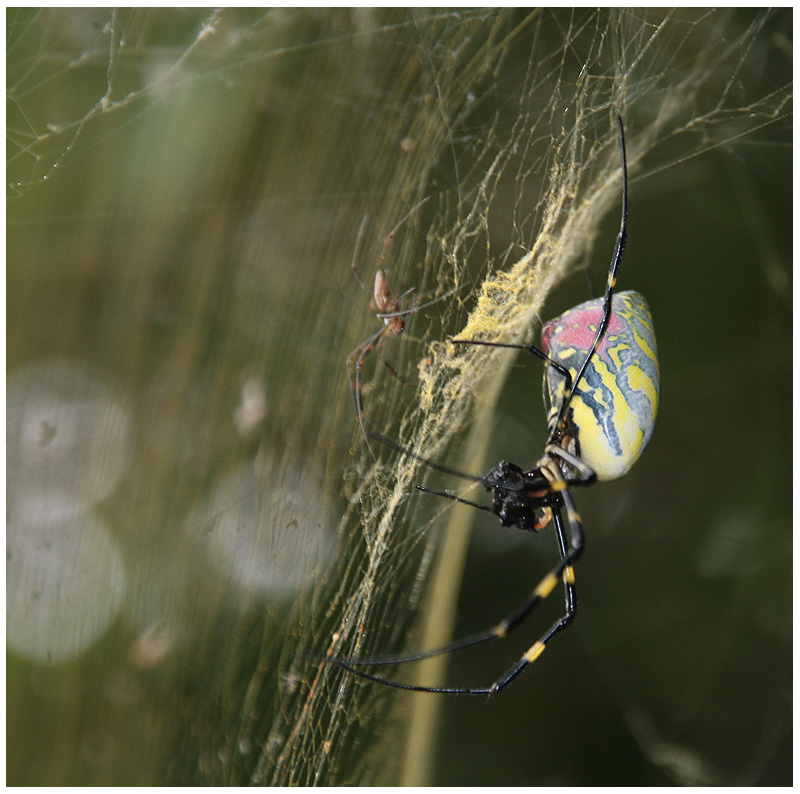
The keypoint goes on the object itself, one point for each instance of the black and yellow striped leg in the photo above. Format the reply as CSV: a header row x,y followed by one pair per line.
x,y
569,554
565,571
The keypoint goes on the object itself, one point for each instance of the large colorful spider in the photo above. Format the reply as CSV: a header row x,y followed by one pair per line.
x,y
601,387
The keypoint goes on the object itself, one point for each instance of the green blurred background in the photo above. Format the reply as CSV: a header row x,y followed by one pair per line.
x,y
184,193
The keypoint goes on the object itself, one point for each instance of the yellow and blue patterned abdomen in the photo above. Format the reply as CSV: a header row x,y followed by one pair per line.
x,y
614,407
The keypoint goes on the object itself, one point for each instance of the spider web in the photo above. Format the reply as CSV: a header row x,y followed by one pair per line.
x,y
223,240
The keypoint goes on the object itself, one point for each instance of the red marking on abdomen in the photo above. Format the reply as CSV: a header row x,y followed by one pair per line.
x,y
580,328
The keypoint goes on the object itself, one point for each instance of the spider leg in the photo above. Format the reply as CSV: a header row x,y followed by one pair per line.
x,y
355,364
562,370
416,307
394,372
354,263
569,554
448,495
438,466
409,291
587,473
611,282
393,232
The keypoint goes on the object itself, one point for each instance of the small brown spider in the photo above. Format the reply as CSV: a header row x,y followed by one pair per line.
x,y
387,308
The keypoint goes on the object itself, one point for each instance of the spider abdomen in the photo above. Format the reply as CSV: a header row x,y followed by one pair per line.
x,y
613,411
